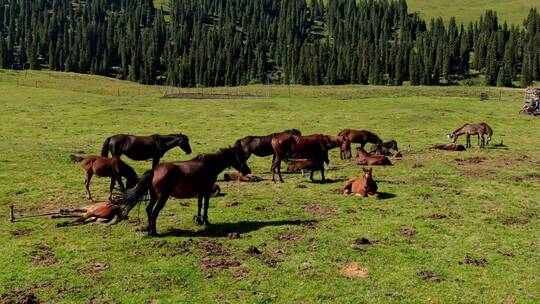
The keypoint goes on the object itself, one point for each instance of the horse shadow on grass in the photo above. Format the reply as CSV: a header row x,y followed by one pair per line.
x,y
224,229
385,195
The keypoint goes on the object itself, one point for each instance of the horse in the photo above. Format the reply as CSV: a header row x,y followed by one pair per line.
x,y
108,214
236,176
259,145
384,148
183,180
364,158
449,147
305,164
479,129
287,146
344,145
361,137
362,186
144,147
106,167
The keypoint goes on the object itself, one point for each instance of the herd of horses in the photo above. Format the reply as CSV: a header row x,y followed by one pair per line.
x,y
197,177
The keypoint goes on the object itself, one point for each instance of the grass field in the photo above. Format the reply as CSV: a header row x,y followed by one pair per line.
x,y
470,218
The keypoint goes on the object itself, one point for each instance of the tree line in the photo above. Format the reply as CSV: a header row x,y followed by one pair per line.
x,y
239,42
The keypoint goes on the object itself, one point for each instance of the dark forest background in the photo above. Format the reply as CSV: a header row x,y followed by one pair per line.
x,y
239,42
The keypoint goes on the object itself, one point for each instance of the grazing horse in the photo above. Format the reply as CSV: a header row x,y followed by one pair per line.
x,y
384,148
479,129
185,179
144,147
287,146
362,186
360,137
106,167
364,158
259,145
109,214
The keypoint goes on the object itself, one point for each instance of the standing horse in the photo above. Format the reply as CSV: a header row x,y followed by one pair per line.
x,y
479,129
360,137
144,147
259,145
106,167
344,145
313,147
186,179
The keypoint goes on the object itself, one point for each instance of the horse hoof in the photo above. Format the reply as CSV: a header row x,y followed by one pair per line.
x,y
199,220
207,223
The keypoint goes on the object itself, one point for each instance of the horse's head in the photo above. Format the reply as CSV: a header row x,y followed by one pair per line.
x,y
183,143
238,162
452,137
368,173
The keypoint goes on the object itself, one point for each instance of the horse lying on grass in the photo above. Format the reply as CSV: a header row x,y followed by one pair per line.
x,y
449,147
237,176
104,213
364,158
362,186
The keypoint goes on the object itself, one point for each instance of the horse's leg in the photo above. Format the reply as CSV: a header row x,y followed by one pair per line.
x,y
111,188
322,174
206,205
121,184
159,205
199,207
87,180
468,141
149,209
155,162
311,175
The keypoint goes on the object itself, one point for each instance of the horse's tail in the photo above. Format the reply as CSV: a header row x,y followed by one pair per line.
x,y
137,194
105,147
75,158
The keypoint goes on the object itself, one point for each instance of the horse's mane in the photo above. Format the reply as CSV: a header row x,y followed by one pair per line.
x,y
460,128
212,156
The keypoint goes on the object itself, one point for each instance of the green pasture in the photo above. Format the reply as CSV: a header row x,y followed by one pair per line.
x,y
451,227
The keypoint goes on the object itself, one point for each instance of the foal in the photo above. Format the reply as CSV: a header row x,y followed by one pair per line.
x,y
107,167
362,186
364,158
479,129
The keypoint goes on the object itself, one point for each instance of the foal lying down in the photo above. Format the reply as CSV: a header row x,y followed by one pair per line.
x,y
103,213
362,186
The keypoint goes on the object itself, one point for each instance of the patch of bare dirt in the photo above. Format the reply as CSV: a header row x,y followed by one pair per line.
x,y
442,185
43,255
408,233
416,166
21,232
289,236
19,296
506,253
436,216
352,270
252,250
360,244
212,248
96,267
316,209
263,208
527,177
470,160
219,263
475,262
241,273
426,275
174,249
515,221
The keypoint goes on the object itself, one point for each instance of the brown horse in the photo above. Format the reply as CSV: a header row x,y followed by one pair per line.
x,y
364,158
361,137
305,164
108,214
449,147
362,186
259,145
287,146
384,148
144,147
186,179
479,129
344,145
236,176
106,167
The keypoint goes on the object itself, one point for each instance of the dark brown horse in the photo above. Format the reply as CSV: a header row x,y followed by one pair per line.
x,y
259,145
384,148
186,179
361,137
479,129
106,167
313,147
344,145
144,147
